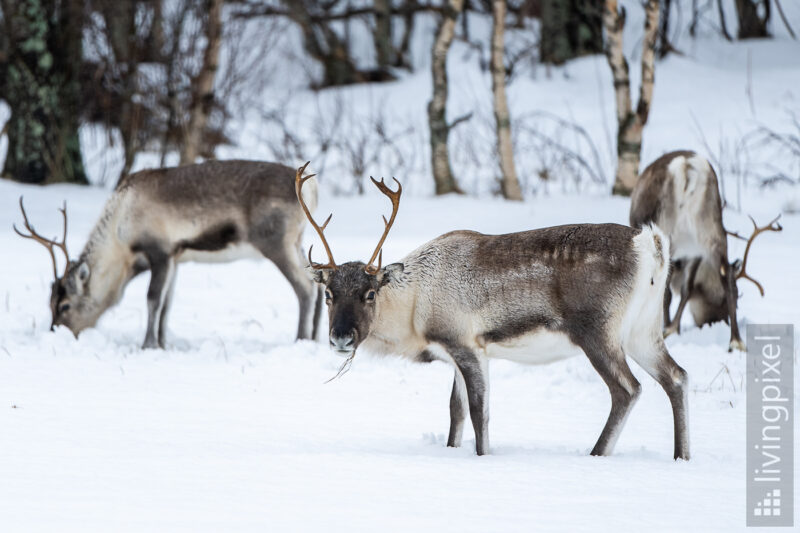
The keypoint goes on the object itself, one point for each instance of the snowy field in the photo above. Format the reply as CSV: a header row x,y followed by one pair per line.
x,y
233,429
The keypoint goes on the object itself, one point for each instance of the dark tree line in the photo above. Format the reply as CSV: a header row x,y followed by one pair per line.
x,y
136,67
570,29
148,69
41,66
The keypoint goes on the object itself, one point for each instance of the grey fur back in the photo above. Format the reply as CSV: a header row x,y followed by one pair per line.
x,y
215,183
654,200
554,277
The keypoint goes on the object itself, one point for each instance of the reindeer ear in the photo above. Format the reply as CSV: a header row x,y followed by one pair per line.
x,y
83,272
319,275
736,267
390,273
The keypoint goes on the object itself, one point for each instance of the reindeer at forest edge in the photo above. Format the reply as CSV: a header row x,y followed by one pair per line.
x,y
533,297
678,192
217,211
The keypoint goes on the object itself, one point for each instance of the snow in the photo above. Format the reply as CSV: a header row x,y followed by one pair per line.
x,y
232,427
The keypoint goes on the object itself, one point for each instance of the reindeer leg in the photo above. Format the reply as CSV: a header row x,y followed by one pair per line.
x,y
162,322
624,388
686,294
667,299
674,380
475,373
458,410
732,291
284,250
289,263
162,267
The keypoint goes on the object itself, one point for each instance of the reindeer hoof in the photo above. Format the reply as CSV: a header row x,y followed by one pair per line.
x,y
669,330
150,345
737,344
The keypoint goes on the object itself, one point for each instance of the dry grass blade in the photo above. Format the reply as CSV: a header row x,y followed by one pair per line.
x,y
344,368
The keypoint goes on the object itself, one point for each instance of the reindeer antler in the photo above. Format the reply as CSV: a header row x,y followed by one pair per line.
x,y
299,180
47,243
394,196
772,226
735,235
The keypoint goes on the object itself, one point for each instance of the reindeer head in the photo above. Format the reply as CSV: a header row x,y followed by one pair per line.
x,y
70,304
351,289
715,295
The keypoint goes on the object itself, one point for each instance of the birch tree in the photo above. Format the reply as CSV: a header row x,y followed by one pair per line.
x,y
505,152
437,107
630,123
204,97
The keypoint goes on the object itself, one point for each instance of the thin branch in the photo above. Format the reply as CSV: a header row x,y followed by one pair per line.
x,y
722,23
463,118
783,18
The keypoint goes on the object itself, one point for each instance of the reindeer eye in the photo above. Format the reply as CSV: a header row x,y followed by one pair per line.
x,y
328,297
370,297
63,308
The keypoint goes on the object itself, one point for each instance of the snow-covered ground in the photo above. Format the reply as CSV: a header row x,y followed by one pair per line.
x,y
232,427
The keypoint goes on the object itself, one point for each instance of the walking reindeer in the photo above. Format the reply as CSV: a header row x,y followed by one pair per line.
x,y
533,297
216,211
679,193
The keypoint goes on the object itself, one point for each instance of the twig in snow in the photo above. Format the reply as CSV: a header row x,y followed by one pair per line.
x,y
224,349
749,86
344,368
783,18
721,370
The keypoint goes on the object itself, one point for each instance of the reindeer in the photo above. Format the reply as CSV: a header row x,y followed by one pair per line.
x,y
532,297
679,193
216,211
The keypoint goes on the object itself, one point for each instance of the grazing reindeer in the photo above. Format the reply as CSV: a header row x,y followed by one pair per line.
x,y
211,212
679,193
533,297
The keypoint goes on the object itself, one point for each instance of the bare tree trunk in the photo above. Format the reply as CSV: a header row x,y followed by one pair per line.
x,y
120,24
437,107
554,44
630,124
204,99
401,56
752,20
510,184
665,46
326,46
382,34
723,24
